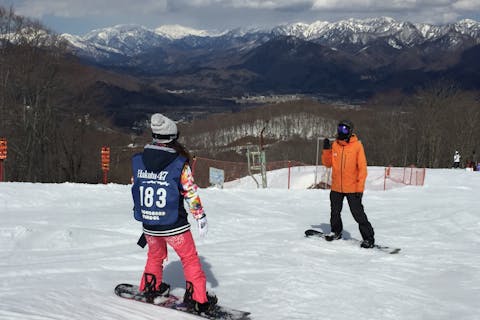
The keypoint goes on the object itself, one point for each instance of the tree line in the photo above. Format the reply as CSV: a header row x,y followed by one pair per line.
x,y
425,128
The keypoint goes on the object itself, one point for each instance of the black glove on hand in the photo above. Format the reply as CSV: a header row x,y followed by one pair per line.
x,y
326,144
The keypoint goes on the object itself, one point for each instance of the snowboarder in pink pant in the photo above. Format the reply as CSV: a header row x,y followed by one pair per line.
x,y
162,180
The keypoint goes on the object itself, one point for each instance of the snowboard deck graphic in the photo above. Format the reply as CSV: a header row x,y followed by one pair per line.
x,y
131,292
320,234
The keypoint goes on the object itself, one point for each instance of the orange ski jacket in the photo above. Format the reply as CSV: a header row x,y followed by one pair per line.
x,y
348,163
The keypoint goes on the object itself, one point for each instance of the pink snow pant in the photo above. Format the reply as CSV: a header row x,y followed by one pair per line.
x,y
185,248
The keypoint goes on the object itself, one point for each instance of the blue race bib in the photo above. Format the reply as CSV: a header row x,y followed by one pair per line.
x,y
156,194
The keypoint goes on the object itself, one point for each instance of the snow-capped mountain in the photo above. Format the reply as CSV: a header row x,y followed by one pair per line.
x,y
126,40
175,32
362,32
132,40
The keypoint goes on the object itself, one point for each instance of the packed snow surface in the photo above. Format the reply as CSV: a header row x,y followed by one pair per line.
x,y
64,247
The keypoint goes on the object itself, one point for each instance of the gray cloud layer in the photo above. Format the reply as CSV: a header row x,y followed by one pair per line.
x,y
220,14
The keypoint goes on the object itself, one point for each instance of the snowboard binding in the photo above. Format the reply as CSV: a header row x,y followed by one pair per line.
x,y
151,291
207,308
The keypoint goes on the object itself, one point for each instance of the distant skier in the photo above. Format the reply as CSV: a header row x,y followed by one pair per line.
x,y
456,159
346,157
162,180
469,165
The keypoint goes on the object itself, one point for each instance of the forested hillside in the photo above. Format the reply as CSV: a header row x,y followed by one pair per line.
x,y
48,112
423,129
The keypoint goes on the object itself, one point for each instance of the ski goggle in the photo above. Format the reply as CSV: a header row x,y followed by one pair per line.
x,y
343,129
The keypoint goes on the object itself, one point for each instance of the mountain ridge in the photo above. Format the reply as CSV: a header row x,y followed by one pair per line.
x,y
133,39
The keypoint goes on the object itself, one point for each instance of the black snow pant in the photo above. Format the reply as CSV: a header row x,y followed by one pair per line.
x,y
356,207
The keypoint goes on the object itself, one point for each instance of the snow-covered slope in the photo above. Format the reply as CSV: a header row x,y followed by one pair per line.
x,y
175,32
63,248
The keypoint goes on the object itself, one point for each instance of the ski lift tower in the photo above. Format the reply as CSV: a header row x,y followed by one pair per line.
x,y
257,162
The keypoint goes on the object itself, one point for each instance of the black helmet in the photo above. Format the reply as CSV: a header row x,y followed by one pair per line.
x,y
344,130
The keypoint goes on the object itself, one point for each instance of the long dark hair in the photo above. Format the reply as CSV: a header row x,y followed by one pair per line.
x,y
180,148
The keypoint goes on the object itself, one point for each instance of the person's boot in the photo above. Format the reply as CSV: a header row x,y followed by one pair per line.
x,y
333,236
206,307
368,243
151,291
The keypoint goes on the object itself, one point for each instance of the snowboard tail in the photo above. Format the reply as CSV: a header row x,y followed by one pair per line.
x,y
131,292
320,234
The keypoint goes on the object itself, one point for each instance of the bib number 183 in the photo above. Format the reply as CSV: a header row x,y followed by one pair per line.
x,y
150,196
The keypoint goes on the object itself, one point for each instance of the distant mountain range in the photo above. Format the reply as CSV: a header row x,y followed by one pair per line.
x,y
349,57
106,44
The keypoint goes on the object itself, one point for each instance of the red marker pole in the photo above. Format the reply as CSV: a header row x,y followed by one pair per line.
x,y
105,163
3,155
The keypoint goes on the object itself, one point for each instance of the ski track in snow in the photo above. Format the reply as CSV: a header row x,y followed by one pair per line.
x,y
64,247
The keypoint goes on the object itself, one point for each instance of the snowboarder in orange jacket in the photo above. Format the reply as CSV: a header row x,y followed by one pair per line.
x,y
346,157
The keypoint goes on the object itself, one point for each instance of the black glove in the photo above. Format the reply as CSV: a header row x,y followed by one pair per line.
x,y
326,144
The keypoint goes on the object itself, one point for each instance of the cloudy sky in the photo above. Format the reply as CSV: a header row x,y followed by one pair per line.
x,y
80,16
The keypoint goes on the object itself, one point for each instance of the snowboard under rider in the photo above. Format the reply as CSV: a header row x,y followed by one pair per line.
x,y
162,180
346,157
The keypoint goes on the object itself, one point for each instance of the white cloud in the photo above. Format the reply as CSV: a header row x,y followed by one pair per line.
x,y
250,4
342,4
267,4
375,5
219,14
432,11
467,5
75,8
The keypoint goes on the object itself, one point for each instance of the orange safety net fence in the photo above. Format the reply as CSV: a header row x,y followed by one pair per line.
x,y
406,176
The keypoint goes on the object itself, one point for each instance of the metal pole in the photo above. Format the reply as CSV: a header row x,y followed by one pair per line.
x,y
385,180
316,160
261,138
194,163
1,170
263,165
289,166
